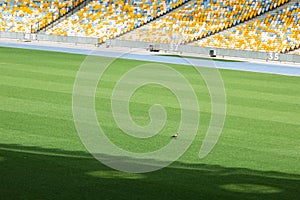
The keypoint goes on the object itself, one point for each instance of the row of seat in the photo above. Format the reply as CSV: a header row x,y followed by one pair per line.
x,y
276,32
27,16
110,18
201,18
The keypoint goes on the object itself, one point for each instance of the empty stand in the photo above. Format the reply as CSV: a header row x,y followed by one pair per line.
x,y
275,32
227,24
201,18
27,16
109,18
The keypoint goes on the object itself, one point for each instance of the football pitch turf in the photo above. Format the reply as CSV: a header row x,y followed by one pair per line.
x,y
42,157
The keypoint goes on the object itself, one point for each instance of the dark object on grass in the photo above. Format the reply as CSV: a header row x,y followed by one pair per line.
x,y
175,136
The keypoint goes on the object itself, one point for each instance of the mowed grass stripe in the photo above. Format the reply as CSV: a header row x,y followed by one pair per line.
x,y
229,75
58,111
33,140
37,124
267,83
262,114
263,82
263,127
246,139
37,95
41,59
280,98
28,83
249,125
38,76
251,112
48,85
289,91
258,97
270,104
21,68
62,97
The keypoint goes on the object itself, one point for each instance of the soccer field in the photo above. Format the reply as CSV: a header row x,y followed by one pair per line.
x,y
42,157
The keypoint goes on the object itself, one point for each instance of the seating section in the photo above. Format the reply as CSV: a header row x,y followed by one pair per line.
x,y
201,18
109,18
27,16
202,22
276,32
296,52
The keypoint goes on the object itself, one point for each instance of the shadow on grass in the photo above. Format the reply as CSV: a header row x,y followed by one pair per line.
x,y
39,173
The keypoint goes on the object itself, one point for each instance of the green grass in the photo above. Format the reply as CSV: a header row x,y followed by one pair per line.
x,y
42,157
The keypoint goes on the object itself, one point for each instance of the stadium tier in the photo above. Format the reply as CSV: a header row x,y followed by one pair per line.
x,y
108,19
275,32
200,18
27,16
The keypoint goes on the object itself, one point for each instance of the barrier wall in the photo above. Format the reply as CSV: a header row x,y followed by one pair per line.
x,y
267,56
12,35
65,39
53,38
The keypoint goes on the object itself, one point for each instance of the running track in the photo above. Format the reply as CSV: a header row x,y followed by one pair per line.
x,y
243,66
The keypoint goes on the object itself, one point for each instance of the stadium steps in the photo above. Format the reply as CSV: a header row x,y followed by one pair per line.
x,y
63,17
156,18
274,10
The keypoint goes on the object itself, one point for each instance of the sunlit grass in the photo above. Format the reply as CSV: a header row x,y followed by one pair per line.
x,y
42,157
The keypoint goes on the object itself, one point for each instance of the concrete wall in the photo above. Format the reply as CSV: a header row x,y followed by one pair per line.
x,y
205,51
53,38
66,39
12,35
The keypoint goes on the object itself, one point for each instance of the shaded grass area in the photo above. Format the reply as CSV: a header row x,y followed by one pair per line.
x,y
40,173
201,58
42,157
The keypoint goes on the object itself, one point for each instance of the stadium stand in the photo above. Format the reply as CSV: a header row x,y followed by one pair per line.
x,y
230,24
275,32
201,18
27,16
296,52
109,18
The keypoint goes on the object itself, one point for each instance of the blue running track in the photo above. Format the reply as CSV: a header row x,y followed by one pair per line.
x,y
243,66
